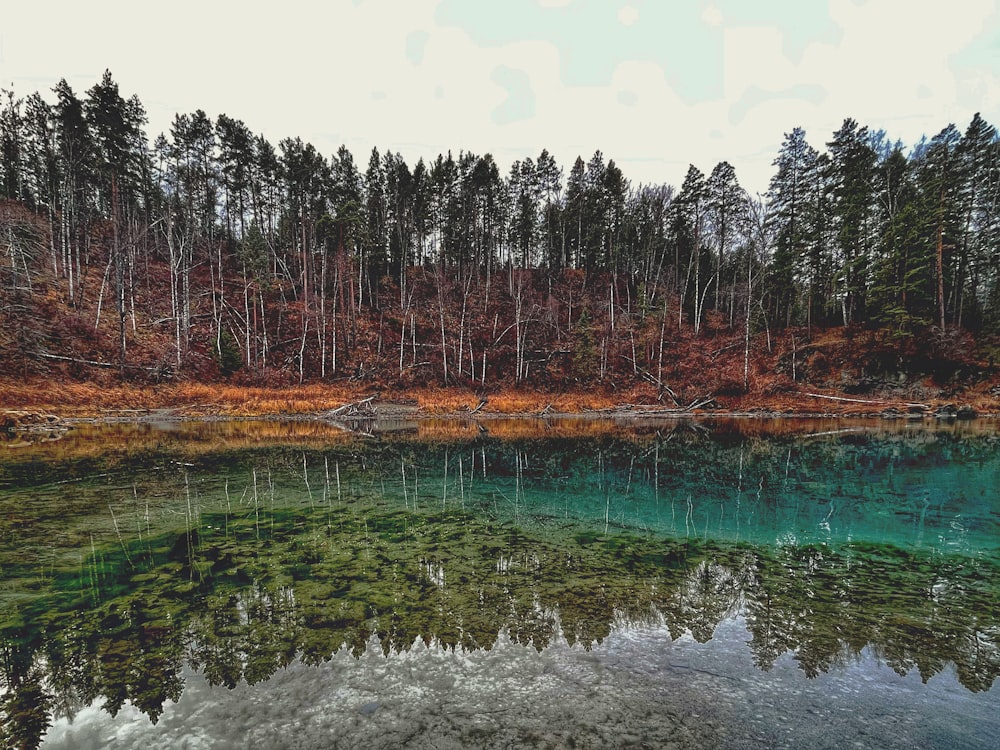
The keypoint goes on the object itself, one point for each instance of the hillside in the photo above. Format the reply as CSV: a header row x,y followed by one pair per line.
x,y
521,332
207,255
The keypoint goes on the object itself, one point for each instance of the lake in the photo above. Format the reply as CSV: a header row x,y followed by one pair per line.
x,y
502,583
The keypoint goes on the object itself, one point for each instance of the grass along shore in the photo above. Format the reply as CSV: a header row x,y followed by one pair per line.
x,y
199,400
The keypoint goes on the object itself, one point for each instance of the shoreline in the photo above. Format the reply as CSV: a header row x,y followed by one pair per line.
x,y
21,421
38,406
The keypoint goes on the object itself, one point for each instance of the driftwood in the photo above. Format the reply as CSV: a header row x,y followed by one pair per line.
x,y
696,404
481,405
866,401
355,417
827,433
31,421
363,408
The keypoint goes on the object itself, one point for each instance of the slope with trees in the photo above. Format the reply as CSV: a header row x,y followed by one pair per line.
x,y
208,253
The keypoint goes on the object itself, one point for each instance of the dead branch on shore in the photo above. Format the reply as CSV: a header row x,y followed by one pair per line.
x,y
356,417
698,403
867,401
363,408
29,421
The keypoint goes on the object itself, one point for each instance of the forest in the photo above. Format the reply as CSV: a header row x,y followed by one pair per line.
x,y
209,254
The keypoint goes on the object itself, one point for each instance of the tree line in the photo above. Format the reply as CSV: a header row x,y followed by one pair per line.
x,y
266,257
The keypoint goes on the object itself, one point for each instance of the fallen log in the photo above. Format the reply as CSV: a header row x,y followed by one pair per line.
x,y
164,371
697,404
866,401
364,407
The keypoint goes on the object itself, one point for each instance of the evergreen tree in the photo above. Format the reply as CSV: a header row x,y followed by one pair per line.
x,y
939,175
689,227
235,162
726,212
376,208
850,174
525,192
594,214
549,183
901,291
980,231
76,156
11,170
615,190
40,167
116,127
792,198
573,215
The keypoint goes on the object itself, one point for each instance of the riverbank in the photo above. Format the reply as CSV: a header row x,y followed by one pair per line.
x,y
42,403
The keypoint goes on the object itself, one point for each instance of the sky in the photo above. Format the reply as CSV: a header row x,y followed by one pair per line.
x,y
655,85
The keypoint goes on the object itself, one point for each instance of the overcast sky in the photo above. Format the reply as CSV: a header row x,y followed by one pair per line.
x,y
654,84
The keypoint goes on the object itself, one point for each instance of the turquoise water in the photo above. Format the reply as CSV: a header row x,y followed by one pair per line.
x,y
138,563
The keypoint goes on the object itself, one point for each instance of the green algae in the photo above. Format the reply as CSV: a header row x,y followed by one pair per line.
x,y
239,562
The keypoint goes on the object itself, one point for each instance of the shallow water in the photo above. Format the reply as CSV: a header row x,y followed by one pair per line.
x,y
496,583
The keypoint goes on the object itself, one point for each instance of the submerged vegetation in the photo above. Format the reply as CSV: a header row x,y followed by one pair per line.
x,y
238,549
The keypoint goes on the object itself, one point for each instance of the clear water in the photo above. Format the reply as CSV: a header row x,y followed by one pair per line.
x,y
403,585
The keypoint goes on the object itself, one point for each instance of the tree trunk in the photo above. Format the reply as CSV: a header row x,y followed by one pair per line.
x,y
940,261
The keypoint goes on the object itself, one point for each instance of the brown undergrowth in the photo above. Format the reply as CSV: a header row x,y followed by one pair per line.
x,y
184,399
195,400
206,399
836,371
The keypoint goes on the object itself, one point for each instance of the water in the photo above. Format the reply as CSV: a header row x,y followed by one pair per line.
x,y
583,583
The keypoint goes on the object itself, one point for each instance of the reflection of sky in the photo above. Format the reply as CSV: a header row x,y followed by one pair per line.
x,y
655,85
638,680
638,683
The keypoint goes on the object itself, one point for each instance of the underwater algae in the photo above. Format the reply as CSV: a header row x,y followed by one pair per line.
x,y
239,561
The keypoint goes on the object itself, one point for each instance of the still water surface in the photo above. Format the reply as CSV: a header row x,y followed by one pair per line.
x,y
554,583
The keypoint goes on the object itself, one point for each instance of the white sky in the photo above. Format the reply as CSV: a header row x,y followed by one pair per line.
x,y
655,85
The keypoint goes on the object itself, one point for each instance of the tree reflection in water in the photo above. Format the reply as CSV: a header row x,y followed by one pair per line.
x,y
284,554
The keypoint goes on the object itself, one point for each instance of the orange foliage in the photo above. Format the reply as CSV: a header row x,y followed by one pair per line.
x,y
181,399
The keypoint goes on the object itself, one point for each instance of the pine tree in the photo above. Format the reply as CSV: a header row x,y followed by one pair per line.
x,y
573,215
792,197
116,127
939,176
978,152
235,161
10,147
726,212
549,182
850,173
901,290
690,207
76,155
